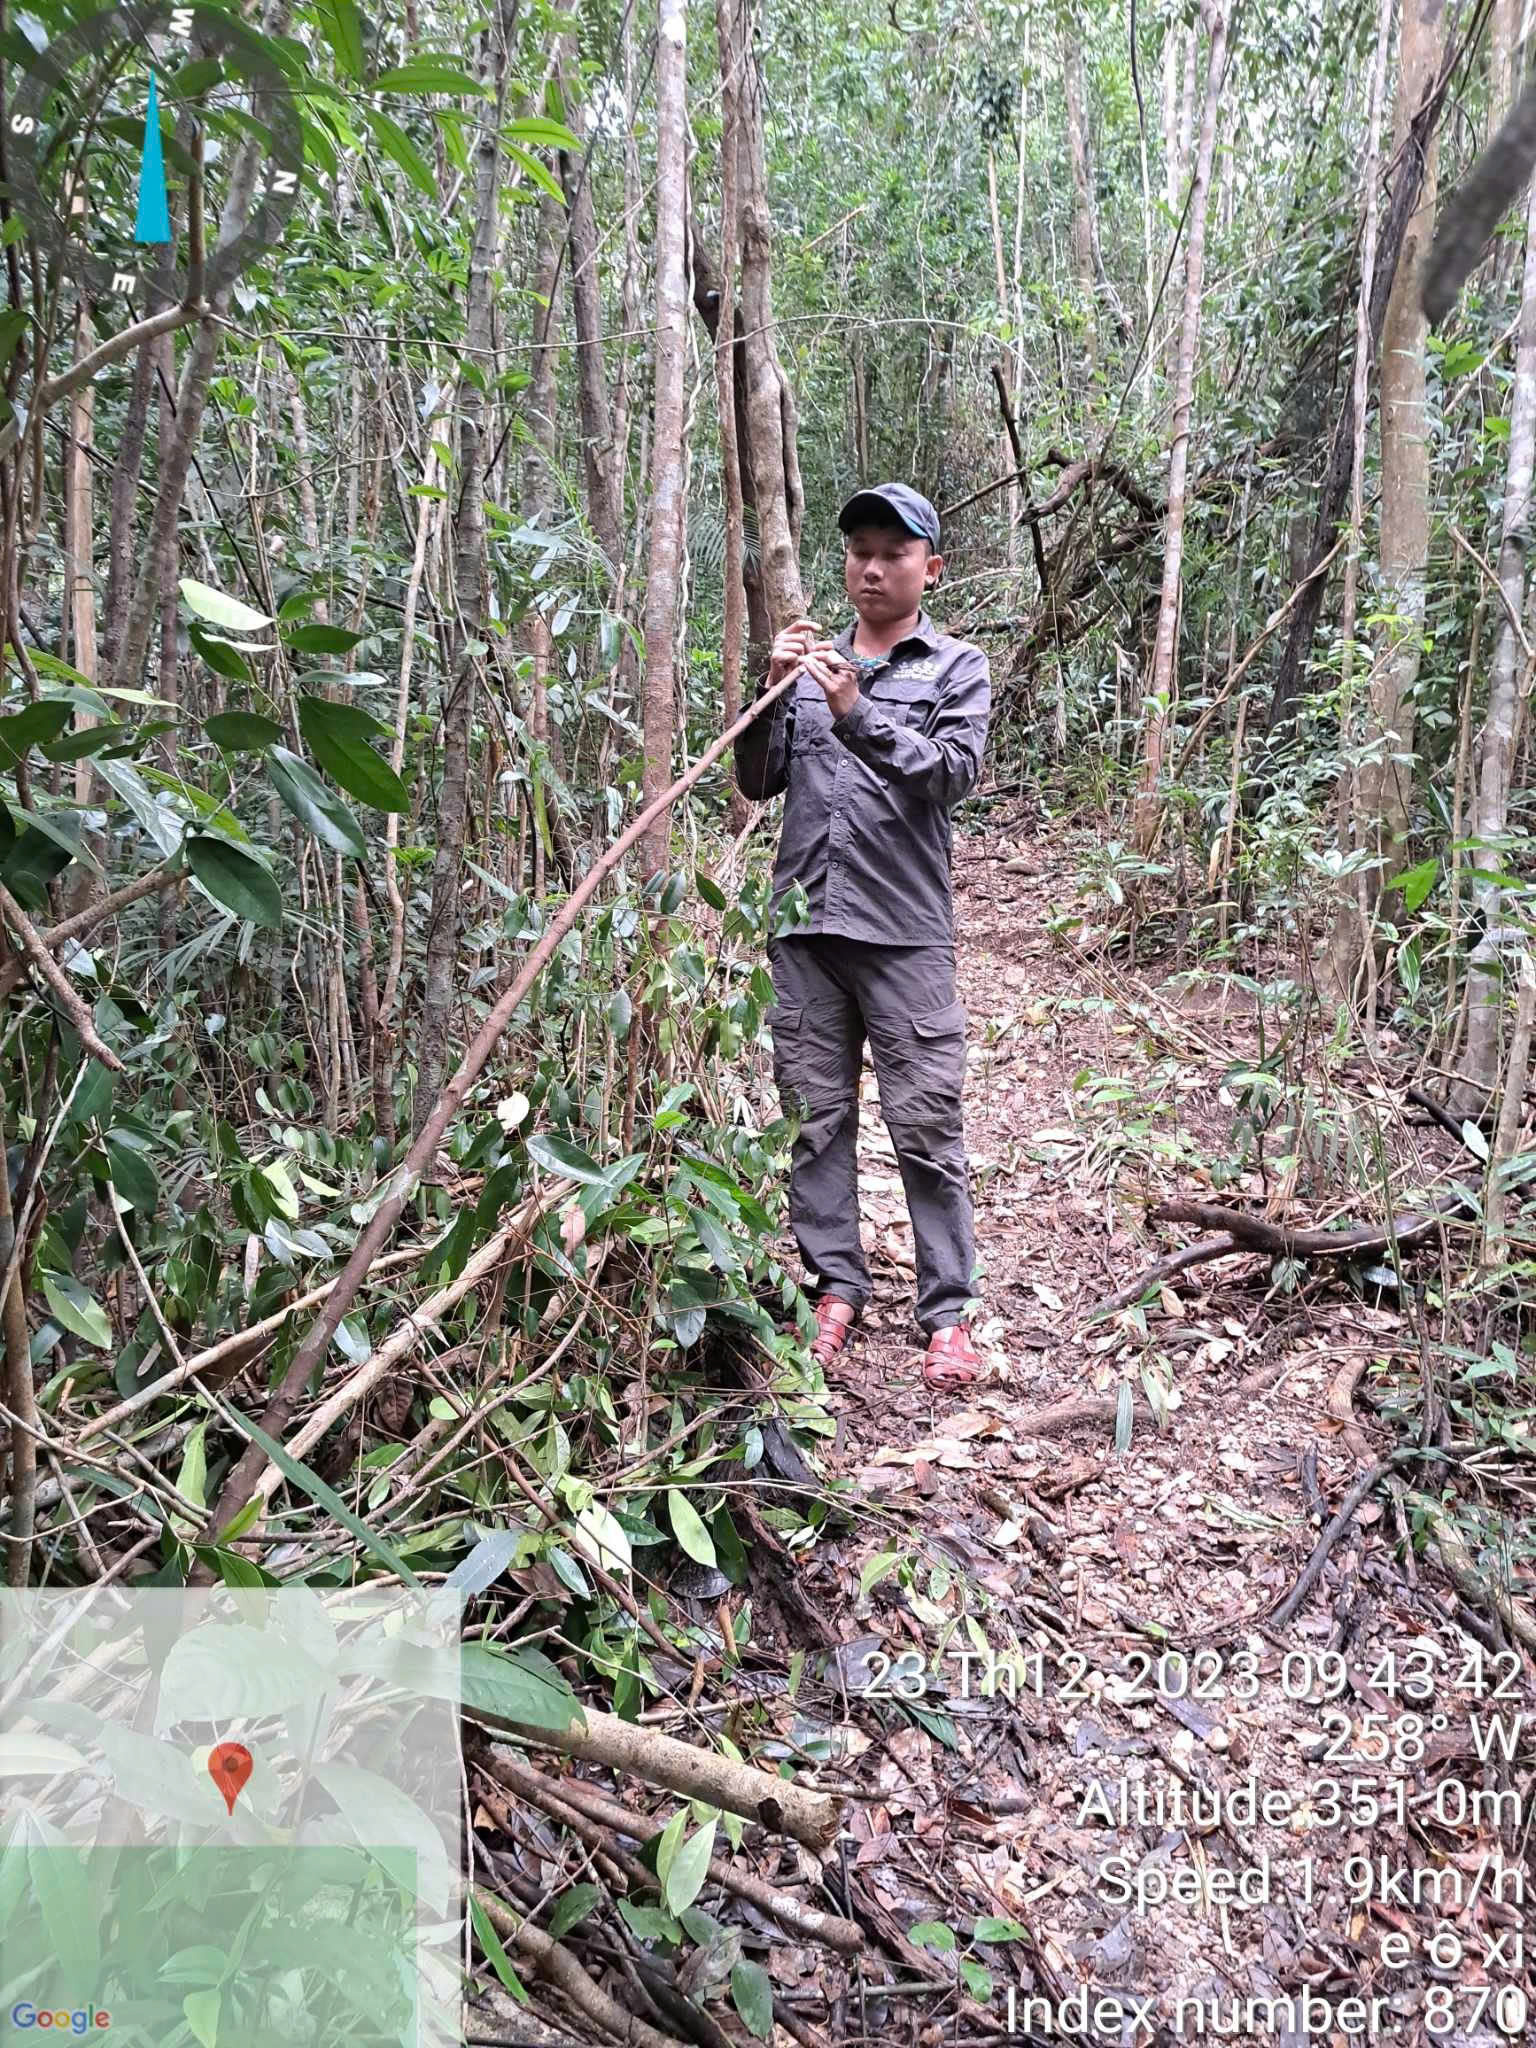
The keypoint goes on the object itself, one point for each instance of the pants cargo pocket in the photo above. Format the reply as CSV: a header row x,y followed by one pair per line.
x,y
784,1020
921,1085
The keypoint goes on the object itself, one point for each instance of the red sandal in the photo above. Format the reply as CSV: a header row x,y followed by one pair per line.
x,y
951,1361
834,1319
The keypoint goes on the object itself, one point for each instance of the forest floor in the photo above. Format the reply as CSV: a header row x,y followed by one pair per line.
x,y
991,1824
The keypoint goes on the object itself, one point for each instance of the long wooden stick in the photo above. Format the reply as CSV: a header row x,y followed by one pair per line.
x,y
241,1482
637,1751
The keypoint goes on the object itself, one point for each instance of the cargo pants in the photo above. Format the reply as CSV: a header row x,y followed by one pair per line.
x,y
831,993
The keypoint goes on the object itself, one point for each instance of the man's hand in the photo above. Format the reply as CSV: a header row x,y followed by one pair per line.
x,y
798,647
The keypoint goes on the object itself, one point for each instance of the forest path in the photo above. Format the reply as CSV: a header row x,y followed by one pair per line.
x,y
1089,1089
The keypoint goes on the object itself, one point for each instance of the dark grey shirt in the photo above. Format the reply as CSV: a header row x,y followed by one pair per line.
x,y
866,815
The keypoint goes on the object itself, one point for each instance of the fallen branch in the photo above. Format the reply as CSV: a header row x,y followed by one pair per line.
x,y
1474,1586
241,1481
49,968
415,1326
68,928
1176,1262
640,1752
1361,1241
1281,1615
791,1913
550,1960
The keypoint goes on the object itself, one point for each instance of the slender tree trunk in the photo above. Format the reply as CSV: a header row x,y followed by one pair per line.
x,y
469,574
1380,810
605,497
728,17
1159,694
540,416
661,589
1084,235
771,414
1496,742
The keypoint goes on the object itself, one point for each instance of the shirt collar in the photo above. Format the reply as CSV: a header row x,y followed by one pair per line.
x,y
924,633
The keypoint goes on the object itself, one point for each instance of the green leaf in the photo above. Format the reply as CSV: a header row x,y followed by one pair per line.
x,y
338,735
521,1685
35,726
571,1908
688,1527
35,1756
430,74
132,1175
1415,883
688,1867
317,807
977,1981
63,1892
494,1953
1125,1416
242,732
535,170
932,1934
989,1930
222,656
312,1484
79,746
876,1568
224,1668
752,1996
648,1923
544,134
321,639
667,1844
220,610
80,1313
400,149
559,1155
1474,1140
711,891
342,26
236,880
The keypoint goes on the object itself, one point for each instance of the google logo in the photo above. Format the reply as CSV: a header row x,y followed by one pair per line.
x,y
77,2022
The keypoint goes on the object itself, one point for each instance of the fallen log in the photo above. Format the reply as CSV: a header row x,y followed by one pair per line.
x,y
640,1752
1362,1240
791,1913
548,1959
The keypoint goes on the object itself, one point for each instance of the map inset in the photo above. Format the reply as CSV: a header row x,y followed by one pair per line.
x,y
230,1817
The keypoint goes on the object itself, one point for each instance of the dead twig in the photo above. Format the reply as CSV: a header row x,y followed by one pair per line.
x,y
49,968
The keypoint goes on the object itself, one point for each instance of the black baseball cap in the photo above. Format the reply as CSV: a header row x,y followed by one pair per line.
x,y
911,508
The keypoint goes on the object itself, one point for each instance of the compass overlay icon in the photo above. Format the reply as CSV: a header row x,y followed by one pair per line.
x,y
119,112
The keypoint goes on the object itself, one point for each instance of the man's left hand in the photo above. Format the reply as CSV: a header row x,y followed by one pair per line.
x,y
825,665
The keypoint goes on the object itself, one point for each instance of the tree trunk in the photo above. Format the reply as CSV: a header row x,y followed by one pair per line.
x,y
464,662
772,449
1084,234
667,437
1379,820
605,498
539,484
1159,693
1496,741
728,36
191,396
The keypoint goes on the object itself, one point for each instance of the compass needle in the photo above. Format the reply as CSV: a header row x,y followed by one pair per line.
x,y
154,220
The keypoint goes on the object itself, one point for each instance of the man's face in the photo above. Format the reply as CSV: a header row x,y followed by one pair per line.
x,y
886,571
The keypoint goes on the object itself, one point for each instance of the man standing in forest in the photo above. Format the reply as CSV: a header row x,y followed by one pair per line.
x,y
880,737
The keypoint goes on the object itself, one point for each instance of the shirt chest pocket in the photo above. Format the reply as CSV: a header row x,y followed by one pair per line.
x,y
905,699
813,716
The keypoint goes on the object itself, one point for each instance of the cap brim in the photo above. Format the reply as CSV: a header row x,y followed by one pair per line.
x,y
870,504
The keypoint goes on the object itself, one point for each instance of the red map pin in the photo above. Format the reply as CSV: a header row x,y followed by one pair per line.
x,y
229,1766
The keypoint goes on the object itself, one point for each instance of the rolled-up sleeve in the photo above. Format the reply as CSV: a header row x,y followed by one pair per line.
x,y
941,765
